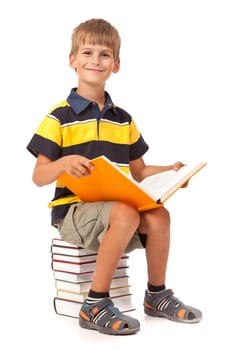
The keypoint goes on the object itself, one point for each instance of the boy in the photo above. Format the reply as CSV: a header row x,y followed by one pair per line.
x,y
83,127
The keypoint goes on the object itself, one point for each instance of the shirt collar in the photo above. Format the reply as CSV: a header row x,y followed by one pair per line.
x,y
79,103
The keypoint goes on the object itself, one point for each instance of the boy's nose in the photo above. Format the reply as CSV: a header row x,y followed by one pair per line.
x,y
95,60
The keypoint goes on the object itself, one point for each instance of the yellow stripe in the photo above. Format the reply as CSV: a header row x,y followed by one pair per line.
x,y
85,132
50,129
134,133
65,200
125,169
114,133
79,133
63,103
117,133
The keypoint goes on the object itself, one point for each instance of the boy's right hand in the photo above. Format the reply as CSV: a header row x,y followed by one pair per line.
x,y
47,171
77,166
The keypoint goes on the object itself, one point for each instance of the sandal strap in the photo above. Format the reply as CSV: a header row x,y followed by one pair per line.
x,y
98,307
105,314
161,296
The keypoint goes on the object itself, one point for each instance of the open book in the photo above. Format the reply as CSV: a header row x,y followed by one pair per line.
x,y
109,183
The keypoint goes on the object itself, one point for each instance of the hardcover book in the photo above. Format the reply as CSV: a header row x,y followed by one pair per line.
x,y
85,266
84,286
71,308
80,297
107,182
85,276
75,259
61,247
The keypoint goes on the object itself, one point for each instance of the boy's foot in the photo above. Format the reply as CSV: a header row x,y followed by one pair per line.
x,y
104,317
165,304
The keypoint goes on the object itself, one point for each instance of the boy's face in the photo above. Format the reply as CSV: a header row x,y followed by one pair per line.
x,y
94,63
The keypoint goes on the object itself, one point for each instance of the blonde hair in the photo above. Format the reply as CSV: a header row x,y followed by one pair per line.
x,y
96,31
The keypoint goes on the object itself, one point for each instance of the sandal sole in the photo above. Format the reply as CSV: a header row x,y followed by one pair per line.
x,y
106,330
155,313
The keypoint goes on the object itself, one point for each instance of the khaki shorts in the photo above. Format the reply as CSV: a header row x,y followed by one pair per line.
x,y
86,223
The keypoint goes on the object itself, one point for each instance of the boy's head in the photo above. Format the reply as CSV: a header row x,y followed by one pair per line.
x,y
93,32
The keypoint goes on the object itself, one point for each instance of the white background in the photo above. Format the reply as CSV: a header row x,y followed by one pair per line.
x,y
176,79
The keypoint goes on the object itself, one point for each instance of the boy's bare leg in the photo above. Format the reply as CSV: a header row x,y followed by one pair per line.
x,y
98,311
156,224
162,303
124,221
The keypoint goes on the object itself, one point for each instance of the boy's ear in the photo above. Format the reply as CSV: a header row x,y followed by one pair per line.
x,y
72,61
116,66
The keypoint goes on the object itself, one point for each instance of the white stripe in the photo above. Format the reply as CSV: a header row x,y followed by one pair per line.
x,y
93,120
78,122
112,122
52,116
121,165
87,121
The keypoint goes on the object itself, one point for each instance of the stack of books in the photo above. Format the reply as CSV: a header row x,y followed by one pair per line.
x,y
73,269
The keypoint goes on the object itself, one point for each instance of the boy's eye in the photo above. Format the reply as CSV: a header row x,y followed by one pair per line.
x,y
105,54
87,53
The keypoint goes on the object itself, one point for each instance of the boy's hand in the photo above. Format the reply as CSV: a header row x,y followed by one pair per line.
x,y
77,166
176,167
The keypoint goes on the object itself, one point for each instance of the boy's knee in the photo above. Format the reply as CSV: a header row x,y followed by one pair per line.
x,y
164,213
125,213
159,216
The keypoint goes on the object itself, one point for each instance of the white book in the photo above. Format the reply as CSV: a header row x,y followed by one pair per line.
x,y
84,286
61,243
71,308
61,247
80,297
81,277
81,266
75,259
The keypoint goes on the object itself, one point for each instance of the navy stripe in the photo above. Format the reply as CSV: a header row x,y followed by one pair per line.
x,y
66,114
115,152
118,153
48,148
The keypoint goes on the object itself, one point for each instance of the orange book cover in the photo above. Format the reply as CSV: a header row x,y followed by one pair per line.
x,y
109,183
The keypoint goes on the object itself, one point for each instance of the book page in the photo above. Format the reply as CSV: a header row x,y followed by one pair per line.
x,y
164,184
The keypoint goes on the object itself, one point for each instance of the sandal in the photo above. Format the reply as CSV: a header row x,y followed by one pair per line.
x,y
165,304
104,317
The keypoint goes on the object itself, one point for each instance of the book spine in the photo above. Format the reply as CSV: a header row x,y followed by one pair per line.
x,y
68,307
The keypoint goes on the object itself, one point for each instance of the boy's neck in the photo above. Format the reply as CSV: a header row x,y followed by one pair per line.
x,y
93,94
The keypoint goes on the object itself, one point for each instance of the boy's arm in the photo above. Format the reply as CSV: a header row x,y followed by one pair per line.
x,y
47,171
139,170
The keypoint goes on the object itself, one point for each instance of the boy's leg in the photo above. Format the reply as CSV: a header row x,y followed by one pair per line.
x,y
98,311
160,301
156,225
123,224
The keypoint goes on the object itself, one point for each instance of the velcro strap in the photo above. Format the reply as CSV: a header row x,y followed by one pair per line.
x,y
101,305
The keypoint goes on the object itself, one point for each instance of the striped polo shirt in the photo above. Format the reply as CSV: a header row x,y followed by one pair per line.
x,y
77,126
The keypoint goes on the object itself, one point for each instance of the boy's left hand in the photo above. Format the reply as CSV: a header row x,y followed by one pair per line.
x,y
176,167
